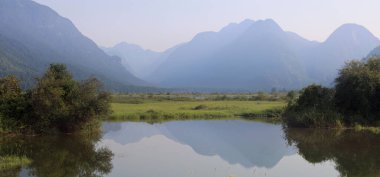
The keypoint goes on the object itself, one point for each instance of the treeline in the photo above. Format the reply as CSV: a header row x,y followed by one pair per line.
x,y
56,103
355,99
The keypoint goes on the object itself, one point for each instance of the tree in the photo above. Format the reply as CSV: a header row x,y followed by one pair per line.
x,y
291,97
314,108
318,97
56,103
51,98
13,104
358,91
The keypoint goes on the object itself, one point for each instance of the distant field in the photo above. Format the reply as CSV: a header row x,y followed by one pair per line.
x,y
137,110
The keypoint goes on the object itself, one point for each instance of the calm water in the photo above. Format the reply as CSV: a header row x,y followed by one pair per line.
x,y
220,148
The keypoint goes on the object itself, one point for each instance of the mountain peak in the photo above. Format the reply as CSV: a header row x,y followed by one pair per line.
x,y
351,33
351,27
247,22
267,24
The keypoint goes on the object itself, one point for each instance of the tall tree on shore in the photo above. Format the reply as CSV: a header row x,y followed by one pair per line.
x,y
358,90
56,103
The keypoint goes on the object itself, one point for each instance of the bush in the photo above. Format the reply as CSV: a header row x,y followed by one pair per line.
x,y
313,118
358,91
57,103
314,108
13,103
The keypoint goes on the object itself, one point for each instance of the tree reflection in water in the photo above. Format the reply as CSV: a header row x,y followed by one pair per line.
x,y
63,156
356,154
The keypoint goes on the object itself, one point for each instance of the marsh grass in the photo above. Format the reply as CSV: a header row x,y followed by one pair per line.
x,y
203,109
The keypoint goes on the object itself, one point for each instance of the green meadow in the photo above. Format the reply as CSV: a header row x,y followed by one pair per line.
x,y
179,108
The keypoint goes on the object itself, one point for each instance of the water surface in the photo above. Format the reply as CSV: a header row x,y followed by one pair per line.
x,y
219,148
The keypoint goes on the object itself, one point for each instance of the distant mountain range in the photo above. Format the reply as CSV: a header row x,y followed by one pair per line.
x,y
248,56
137,60
32,36
257,55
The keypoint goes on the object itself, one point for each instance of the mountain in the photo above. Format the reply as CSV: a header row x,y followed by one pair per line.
x,y
375,51
137,60
252,55
348,42
246,56
260,55
32,36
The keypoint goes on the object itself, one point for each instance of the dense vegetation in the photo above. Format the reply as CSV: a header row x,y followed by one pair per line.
x,y
56,103
354,100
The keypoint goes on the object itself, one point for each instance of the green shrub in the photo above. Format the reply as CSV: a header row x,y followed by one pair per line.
x,y
313,118
314,108
358,91
57,103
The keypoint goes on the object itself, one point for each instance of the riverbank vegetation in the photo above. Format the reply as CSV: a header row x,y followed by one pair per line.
x,y
353,102
57,103
155,107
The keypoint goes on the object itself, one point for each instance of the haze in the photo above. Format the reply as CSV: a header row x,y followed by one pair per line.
x,y
160,24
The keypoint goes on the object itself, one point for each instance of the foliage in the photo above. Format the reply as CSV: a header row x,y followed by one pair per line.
x,y
56,103
13,103
314,108
354,100
292,97
358,91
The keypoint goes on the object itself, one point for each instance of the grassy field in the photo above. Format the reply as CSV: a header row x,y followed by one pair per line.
x,y
146,110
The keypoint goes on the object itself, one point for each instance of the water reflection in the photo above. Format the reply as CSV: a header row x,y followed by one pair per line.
x,y
356,154
238,142
206,148
196,148
53,156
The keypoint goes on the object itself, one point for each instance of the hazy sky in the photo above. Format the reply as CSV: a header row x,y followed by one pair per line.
x,y
160,24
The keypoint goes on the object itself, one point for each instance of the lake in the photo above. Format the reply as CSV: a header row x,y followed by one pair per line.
x,y
201,148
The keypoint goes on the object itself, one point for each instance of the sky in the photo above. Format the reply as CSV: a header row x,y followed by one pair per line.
x,y
161,24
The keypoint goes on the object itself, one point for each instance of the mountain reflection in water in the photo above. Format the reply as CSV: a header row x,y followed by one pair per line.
x,y
206,148
210,148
